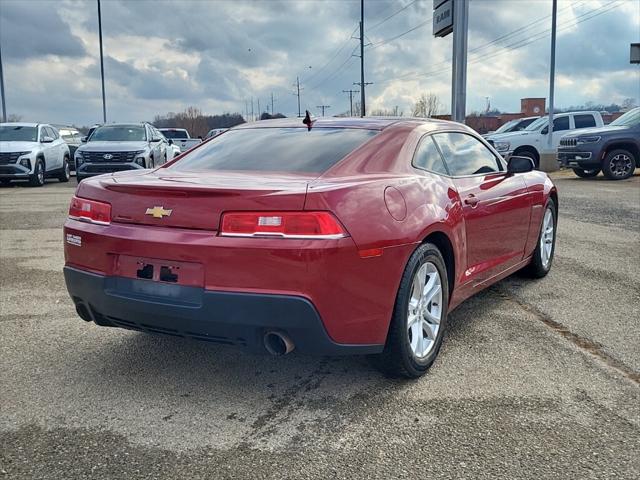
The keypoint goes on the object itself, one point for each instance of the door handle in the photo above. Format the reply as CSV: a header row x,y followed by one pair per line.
x,y
471,200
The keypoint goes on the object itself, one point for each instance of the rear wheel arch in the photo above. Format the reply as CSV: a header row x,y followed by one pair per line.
x,y
553,194
442,241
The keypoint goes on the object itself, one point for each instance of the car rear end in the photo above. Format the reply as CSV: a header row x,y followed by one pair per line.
x,y
225,251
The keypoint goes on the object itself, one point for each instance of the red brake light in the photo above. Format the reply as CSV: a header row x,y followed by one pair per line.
x,y
90,211
282,224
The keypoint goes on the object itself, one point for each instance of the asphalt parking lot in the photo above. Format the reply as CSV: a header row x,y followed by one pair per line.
x,y
536,379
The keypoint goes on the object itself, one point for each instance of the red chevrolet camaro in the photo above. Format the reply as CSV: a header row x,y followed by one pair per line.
x,y
344,236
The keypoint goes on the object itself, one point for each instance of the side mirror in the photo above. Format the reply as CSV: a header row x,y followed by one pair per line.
x,y
155,140
520,165
84,139
544,131
46,139
170,141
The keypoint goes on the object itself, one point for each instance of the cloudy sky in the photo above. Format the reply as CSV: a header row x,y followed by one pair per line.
x,y
163,56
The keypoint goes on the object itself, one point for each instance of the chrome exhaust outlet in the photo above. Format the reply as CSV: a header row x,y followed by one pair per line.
x,y
278,343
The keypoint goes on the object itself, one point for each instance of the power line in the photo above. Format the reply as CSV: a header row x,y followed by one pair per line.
x,y
348,60
513,32
515,45
392,15
344,44
382,42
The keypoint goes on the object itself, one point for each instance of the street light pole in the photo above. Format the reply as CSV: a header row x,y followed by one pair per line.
x,y
104,104
459,70
4,100
552,71
363,109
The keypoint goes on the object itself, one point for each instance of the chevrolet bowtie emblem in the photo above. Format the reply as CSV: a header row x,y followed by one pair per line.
x,y
158,212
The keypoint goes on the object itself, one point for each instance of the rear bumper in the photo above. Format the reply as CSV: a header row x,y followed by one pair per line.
x,y
231,318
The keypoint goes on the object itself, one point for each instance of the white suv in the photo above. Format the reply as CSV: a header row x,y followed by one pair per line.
x,y
32,151
533,141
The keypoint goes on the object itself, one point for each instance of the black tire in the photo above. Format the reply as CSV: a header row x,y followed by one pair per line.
x,y
537,267
36,179
65,172
397,359
582,173
151,163
619,164
79,178
529,154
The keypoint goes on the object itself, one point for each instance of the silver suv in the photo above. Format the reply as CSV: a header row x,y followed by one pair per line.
x,y
120,146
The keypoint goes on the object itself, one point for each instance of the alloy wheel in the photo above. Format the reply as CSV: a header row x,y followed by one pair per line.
x,y
546,238
40,173
620,165
425,310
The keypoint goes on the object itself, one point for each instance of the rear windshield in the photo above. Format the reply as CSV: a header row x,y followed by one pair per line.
x,y
174,134
276,149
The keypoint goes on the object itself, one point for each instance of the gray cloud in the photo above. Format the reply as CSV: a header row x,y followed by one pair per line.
x,y
166,55
34,29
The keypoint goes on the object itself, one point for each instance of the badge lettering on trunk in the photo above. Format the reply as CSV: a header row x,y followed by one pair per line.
x,y
158,212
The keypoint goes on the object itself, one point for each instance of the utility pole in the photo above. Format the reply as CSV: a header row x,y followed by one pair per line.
x,y
259,112
104,104
4,100
323,107
362,84
459,70
351,92
298,94
272,110
253,118
552,70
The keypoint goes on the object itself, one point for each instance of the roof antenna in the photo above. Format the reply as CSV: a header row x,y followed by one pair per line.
x,y
307,120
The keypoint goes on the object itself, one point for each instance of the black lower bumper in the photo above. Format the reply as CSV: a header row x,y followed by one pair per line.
x,y
89,169
240,319
578,159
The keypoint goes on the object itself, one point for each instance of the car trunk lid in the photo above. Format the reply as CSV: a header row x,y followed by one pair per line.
x,y
196,200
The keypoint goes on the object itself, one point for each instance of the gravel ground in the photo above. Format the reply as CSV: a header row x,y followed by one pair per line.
x,y
536,379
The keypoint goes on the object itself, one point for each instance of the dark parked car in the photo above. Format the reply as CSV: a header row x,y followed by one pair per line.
x,y
73,139
614,149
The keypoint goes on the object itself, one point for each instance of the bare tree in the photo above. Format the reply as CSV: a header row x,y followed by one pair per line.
x,y
386,112
628,103
427,105
12,117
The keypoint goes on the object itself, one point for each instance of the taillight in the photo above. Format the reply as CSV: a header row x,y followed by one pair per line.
x,y
282,224
90,211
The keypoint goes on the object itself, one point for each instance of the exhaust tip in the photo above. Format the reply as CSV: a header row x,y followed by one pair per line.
x,y
83,312
278,343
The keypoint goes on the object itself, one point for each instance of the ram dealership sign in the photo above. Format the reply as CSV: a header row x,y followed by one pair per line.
x,y
442,17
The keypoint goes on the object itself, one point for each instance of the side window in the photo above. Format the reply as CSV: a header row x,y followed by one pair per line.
x,y
466,155
561,123
584,121
427,157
